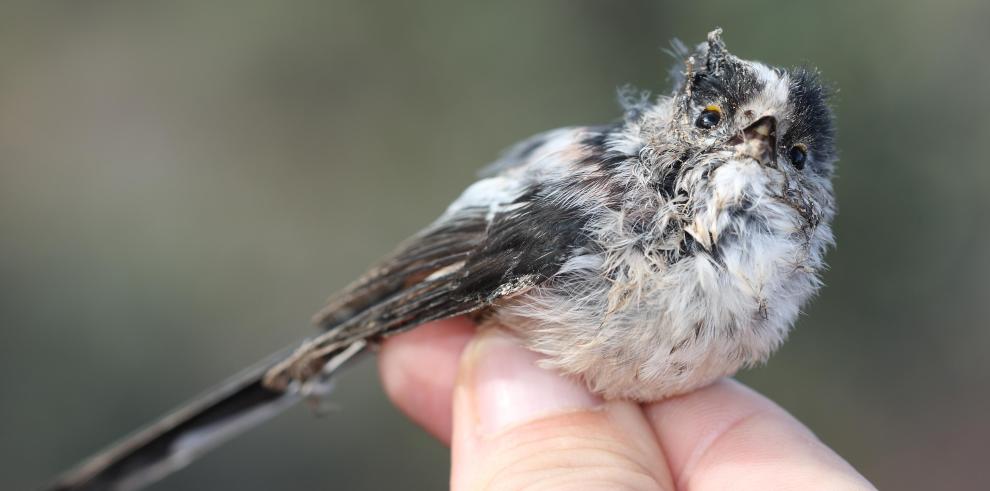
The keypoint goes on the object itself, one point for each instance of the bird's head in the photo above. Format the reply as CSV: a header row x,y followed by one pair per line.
x,y
741,144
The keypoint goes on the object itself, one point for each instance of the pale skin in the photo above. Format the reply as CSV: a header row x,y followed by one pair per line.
x,y
512,425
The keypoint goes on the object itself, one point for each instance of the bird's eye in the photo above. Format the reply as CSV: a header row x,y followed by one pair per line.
x,y
709,117
798,156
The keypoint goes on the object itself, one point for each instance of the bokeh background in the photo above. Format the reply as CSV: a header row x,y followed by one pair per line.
x,y
182,183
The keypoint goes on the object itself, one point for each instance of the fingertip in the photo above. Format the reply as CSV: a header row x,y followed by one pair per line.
x,y
688,424
727,432
508,386
418,368
524,426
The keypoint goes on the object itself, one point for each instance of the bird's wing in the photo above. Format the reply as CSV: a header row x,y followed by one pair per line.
x,y
464,263
501,237
461,265
506,233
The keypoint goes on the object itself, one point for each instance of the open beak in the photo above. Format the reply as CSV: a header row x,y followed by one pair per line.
x,y
759,141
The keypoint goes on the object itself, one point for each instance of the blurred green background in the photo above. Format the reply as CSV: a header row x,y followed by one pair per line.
x,y
183,183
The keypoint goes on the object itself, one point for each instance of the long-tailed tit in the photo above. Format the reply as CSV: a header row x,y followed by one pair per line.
x,y
647,257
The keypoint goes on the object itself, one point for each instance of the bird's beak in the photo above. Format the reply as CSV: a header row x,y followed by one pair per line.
x,y
759,141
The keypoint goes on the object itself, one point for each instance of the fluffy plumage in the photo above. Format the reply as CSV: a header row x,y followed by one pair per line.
x,y
646,257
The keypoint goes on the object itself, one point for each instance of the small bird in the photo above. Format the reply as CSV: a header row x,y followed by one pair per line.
x,y
647,257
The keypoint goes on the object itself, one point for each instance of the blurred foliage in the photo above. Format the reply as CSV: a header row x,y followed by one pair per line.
x,y
181,184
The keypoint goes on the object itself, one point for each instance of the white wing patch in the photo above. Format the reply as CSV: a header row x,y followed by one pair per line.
x,y
486,193
531,161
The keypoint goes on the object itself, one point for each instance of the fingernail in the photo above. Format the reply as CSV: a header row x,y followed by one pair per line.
x,y
509,388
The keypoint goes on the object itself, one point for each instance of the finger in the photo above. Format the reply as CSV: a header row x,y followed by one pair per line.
x,y
518,426
418,369
728,436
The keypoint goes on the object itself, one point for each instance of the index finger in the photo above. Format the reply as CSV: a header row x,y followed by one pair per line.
x,y
727,436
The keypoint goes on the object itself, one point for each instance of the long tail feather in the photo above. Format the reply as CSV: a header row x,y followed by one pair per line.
x,y
237,405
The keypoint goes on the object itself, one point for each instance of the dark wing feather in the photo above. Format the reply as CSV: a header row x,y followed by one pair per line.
x,y
489,257
461,264
440,245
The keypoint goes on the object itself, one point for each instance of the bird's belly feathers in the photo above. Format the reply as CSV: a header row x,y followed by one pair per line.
x,y
702,318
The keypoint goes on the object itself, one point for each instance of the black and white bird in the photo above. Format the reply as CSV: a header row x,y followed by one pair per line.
x,y
647,257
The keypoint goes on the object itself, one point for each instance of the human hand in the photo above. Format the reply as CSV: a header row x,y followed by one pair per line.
x,y
513,425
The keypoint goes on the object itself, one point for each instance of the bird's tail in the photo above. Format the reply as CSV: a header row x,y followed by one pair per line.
x,y
177,439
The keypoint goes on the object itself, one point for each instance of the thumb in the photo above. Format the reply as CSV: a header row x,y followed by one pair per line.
x,y
519,426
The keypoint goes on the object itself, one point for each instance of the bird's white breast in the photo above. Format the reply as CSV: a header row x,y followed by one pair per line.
x,y
676,328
